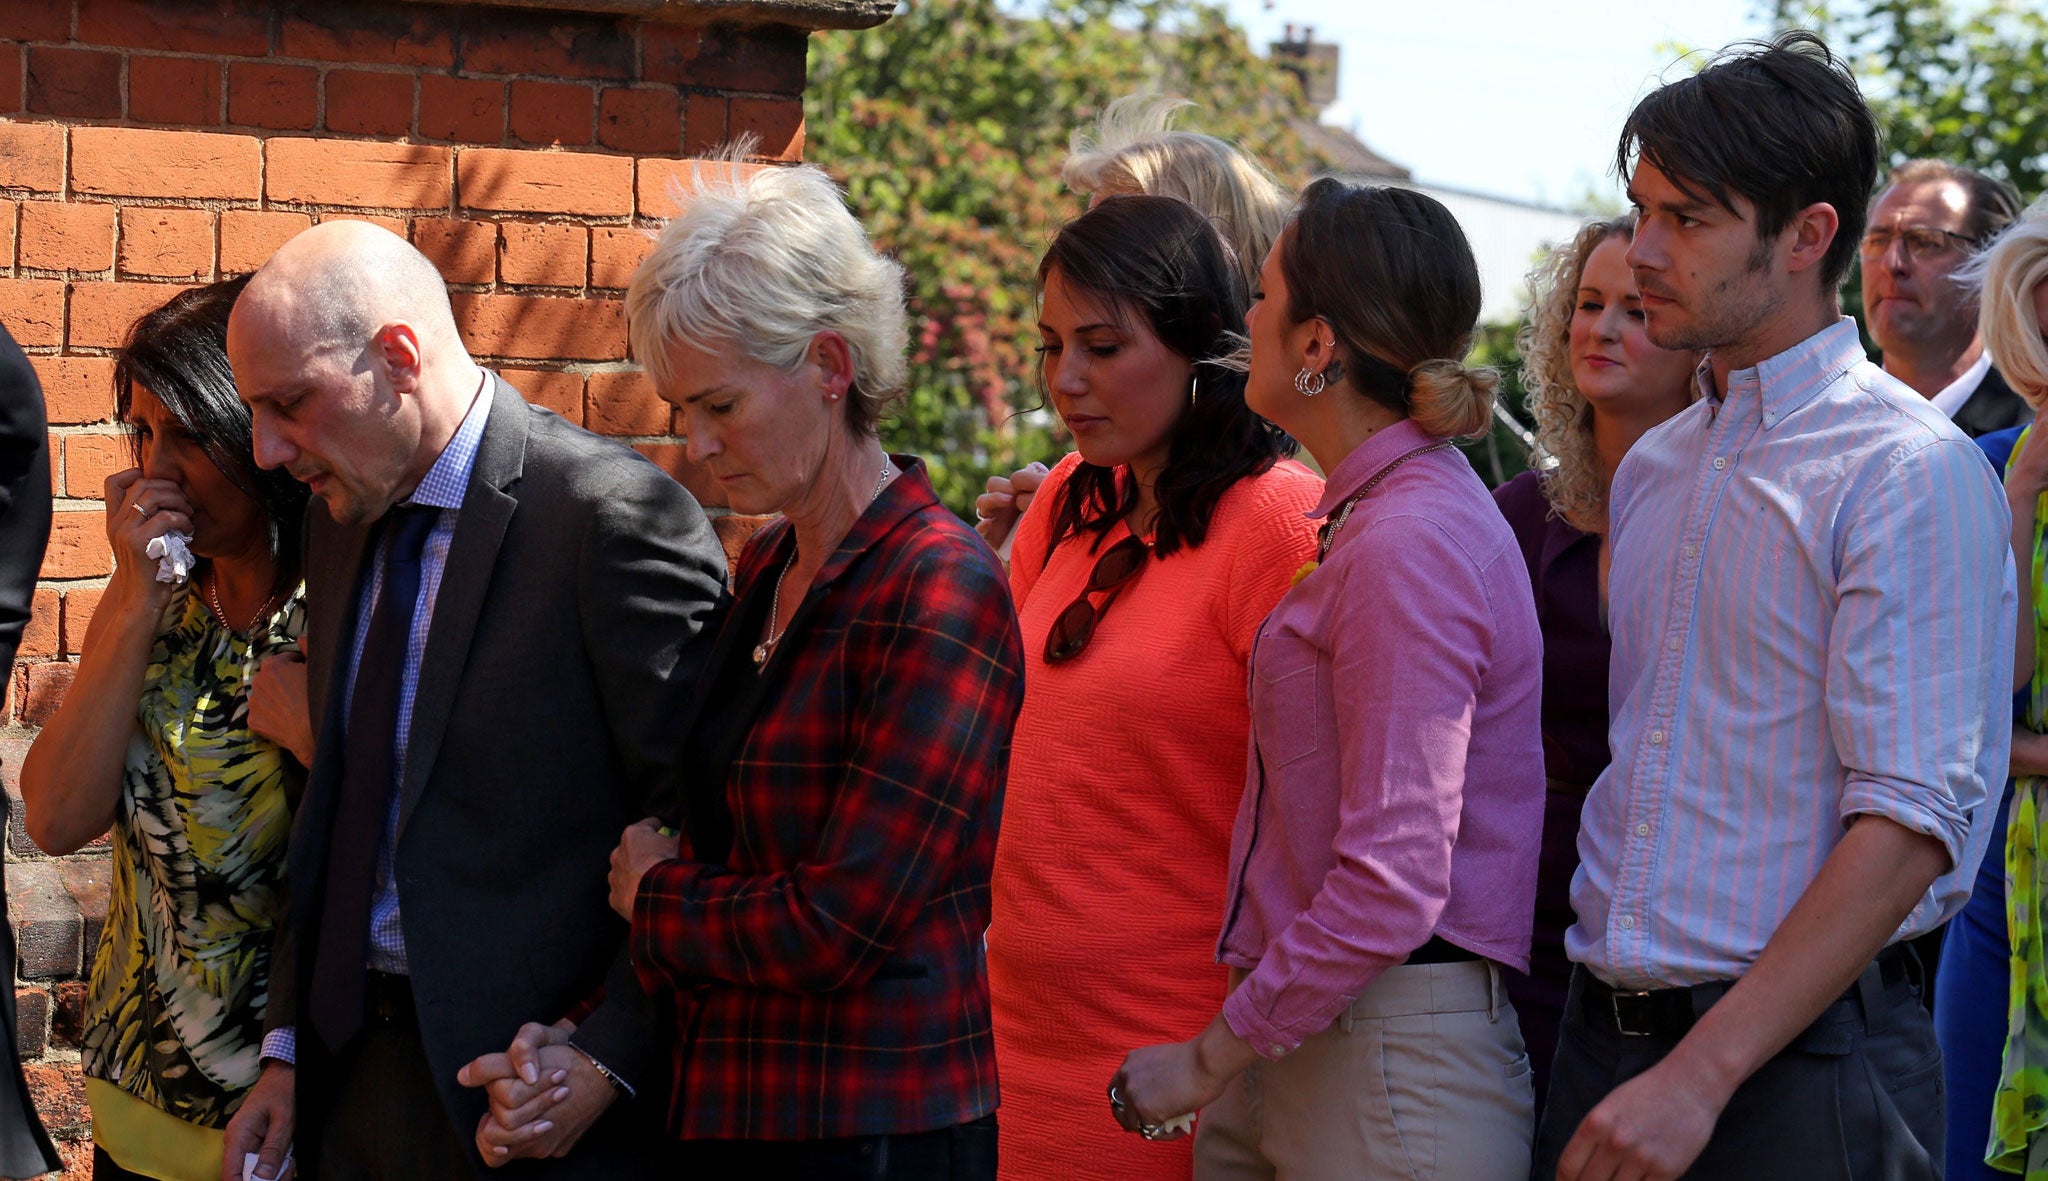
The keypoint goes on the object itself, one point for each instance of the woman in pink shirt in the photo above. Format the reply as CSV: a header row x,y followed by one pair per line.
x,y
1384,860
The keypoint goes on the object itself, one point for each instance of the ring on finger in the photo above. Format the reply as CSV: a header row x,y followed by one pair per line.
x,y
137,506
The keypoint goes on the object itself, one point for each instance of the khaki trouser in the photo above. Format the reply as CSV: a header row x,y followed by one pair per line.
x,y
1424,1076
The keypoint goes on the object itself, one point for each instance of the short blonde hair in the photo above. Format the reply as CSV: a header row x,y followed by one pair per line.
x,y
764,262
1564,419
2011,271
1134,149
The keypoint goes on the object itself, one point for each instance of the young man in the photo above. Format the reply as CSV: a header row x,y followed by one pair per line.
x,y
1812,605
1926,222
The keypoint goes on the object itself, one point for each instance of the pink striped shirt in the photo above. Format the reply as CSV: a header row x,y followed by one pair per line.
x,y
1812,602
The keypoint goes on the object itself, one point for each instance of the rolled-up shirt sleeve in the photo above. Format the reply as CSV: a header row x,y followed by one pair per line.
x,y
1920,656
1405,670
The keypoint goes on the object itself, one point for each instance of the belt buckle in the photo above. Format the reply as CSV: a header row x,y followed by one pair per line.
x,y
1632,1014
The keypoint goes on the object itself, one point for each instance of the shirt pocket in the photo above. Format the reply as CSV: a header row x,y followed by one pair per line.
x,y
1287,703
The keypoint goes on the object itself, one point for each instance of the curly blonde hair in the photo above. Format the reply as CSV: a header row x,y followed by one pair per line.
x,y
1564,419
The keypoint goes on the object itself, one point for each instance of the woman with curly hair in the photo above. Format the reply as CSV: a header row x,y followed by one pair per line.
x,y
1596,385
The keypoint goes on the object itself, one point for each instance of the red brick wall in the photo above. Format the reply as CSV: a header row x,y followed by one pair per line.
x,y
147,145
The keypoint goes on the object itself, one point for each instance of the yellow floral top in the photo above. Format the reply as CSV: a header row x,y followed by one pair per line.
x,y
174,1013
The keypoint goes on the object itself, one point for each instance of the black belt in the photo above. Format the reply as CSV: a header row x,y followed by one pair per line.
x,y
1438,950
387,999
1670,1012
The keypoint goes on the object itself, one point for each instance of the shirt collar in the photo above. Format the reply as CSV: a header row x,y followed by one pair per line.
x,y
1367,460
448,479
1957,392
1777,386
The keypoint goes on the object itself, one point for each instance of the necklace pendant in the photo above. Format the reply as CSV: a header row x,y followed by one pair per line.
x,y
760,655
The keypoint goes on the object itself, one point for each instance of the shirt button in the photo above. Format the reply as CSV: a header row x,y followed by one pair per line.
x,y
1675,644
1720,462
1628,922
1656,737
1642,830
1277,1049
1692,551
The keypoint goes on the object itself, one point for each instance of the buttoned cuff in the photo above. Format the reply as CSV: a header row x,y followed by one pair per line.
x,y
1242,1015
281,1045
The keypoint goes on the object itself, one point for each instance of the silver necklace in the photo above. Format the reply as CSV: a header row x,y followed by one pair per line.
x,y
213,597
774,637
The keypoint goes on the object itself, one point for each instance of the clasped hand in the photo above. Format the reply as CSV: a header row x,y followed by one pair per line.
x,y
544,1094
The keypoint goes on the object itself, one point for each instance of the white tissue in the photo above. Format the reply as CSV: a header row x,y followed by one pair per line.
x,y
174,559
1179,1123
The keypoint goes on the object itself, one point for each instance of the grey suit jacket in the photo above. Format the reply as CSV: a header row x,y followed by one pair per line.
x,y
25,1149
569,627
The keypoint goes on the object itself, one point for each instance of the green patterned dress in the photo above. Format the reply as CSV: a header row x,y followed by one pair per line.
x,y
2019,1112
175,1010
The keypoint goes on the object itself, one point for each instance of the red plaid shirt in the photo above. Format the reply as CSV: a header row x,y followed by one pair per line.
x,y
830,980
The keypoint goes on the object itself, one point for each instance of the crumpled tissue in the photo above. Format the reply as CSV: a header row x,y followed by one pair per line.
x,y
173,555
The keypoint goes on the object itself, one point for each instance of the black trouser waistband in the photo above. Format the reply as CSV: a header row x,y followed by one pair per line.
x,y
1670,1012
387,998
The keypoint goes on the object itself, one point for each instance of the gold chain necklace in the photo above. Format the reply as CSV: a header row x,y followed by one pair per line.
x,y
213,597
774,637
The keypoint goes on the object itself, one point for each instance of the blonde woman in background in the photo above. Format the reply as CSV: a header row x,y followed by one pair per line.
x,y
1596,384
1134,151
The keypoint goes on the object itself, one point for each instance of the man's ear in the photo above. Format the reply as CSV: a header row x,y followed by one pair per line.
x,y
397,349
1812,231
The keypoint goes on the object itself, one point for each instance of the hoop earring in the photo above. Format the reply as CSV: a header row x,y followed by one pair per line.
x,y
1308,385
1193,379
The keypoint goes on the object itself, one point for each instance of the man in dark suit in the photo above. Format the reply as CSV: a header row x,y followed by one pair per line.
x,y
1927,219
503,619
25,1149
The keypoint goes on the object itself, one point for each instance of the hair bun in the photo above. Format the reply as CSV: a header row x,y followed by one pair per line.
x,y
1446,398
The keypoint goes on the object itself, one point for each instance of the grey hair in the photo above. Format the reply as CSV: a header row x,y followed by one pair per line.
x,y
764,261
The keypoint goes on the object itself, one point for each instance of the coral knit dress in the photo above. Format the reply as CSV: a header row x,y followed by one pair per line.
x,y
1125,774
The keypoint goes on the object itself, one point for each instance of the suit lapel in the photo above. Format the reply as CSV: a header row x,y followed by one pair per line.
x,y
472,555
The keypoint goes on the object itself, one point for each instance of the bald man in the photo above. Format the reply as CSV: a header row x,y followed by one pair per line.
x,y
504,615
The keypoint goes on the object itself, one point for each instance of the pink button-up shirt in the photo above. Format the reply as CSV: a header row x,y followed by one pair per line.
x,y
1395,784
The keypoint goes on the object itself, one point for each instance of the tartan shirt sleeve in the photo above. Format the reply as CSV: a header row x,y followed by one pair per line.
x,y
933,680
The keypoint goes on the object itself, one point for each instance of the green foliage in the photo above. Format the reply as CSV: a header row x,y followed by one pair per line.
x,y
948,125
1501,455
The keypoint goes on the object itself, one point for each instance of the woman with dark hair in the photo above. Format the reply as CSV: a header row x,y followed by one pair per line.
x,y
1384,861
1140,572
172,738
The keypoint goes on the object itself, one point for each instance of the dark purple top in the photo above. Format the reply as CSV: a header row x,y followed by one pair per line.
x,y
1564,571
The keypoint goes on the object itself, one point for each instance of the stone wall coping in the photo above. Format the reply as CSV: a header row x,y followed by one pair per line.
x,y
802,14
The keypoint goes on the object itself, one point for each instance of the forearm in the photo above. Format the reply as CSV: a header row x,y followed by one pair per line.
x,y
2029,752
1863,892
71,779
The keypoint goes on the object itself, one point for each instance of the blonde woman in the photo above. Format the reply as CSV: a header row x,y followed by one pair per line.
x,y
1993,978
1136,151
1596,384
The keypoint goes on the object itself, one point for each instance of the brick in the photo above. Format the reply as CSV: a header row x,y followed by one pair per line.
x,y
248,237
86,879
78,608
59,236
78,83
365,102
59,1095
464,251
542,328
624,403
764,59
734,531
369,33
35,20
543,255
90,459
171,243
703,124
48,931
471,110
75,1156
76,390
187,165
10,213
236,28
31,1021
280,98
778,123
101,313
32,156
12,751
67,1007
33,310
498,41
183,90
355,172
674,459
615,253
78,545
552,112
43,638
11,70
559,392
656,182
641,119
515,181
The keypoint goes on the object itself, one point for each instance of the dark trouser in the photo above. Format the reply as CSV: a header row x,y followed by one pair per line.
x,y
966,1152
104,1168
1857,1095
386,1121
1970,1010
